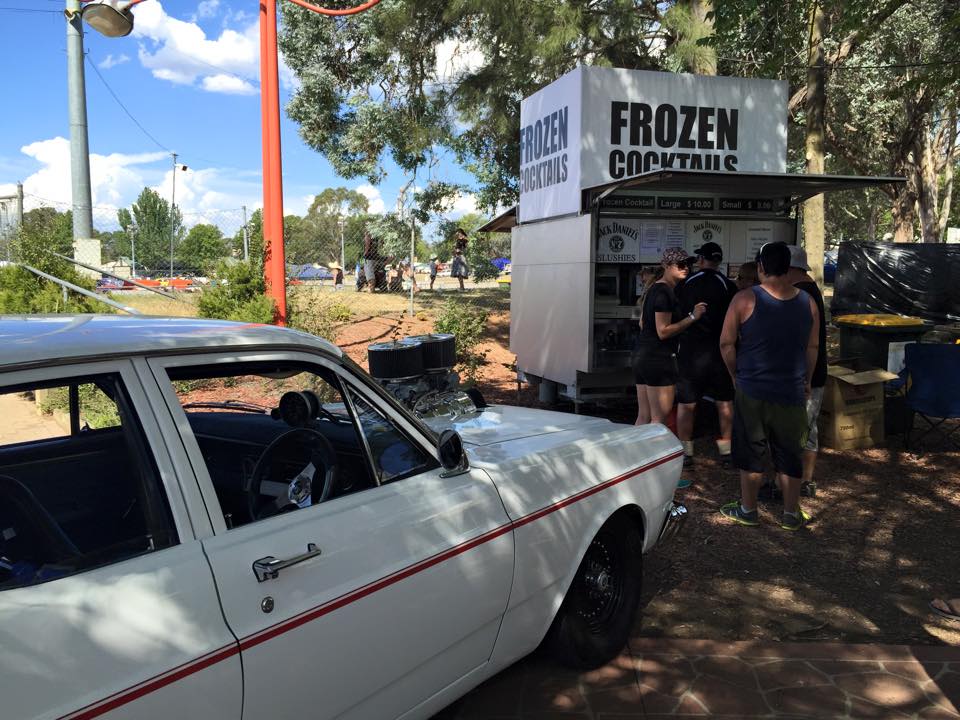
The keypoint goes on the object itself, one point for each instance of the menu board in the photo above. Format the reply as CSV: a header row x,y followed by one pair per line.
x,y
652,233
676,234
757,235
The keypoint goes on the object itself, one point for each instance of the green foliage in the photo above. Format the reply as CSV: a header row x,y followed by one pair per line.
x,y
23,292
97,410
468,323
148,226
239,294
316,313
393,236
202,249
254,240
370,85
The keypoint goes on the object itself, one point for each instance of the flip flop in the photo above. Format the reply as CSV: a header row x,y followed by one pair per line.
x,y
944,613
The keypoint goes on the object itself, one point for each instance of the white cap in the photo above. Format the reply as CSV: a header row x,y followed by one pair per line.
x,y
798,258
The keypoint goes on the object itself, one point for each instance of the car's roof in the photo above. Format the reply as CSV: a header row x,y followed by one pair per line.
x,y
31,339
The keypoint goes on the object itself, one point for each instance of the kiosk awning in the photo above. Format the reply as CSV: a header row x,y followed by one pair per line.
x,y
795,188
503,222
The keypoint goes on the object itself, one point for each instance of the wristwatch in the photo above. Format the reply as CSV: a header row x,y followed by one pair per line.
x,y
692,316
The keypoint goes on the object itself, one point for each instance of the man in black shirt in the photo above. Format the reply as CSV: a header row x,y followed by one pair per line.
x,y
702,372
798,277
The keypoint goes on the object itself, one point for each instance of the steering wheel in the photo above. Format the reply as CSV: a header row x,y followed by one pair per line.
x,y
267,497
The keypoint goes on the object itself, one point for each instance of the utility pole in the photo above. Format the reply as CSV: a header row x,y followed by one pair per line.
x,y
342,264
19,205
173,197
246,237
79,147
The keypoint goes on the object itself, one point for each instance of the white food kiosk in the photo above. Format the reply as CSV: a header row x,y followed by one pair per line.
x,y
615,166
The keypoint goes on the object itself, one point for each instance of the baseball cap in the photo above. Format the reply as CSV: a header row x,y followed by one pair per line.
x,y
674,256
798,258
710,251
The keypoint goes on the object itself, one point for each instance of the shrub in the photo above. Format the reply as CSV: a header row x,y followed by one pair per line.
x,y
467,322
22,292
239,294
317,314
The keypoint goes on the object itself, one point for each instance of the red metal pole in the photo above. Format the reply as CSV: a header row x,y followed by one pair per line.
x,y
275,267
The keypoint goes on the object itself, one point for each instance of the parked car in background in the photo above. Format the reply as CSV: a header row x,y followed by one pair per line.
x,y
830,266
219,520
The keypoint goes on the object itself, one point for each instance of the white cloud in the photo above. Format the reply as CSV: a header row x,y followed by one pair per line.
x,y
207,9
372,194
180,52
112,61
213,195
465,204
229,84
456,58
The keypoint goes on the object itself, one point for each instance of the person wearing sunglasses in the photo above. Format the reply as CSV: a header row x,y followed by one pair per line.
x,y
661,321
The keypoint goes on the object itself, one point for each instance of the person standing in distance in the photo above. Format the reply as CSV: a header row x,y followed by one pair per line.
x,y
769,344
655,369
460,270
370,260
798,277
702,372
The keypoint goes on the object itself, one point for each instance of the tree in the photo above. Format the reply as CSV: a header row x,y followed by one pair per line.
x,y
50,229
202,249
370,85
148,226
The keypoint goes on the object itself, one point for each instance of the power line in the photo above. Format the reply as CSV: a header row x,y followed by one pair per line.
x,y
28,10
124,107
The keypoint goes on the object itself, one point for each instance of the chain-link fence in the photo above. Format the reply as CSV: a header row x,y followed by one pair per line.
x,y
386,255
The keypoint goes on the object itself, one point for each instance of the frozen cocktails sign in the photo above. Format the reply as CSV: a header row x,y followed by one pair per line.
x,y
597,125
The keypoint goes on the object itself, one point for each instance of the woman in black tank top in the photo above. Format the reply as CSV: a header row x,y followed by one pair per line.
x,y
655,370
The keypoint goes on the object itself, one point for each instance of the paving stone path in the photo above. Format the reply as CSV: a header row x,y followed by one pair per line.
x,y
658,678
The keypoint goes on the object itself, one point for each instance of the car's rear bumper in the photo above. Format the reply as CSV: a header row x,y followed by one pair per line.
x,y
676,517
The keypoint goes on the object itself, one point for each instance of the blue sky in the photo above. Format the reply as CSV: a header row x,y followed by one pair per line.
x,y
189,75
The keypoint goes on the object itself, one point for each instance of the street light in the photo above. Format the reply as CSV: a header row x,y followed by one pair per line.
x,y
109,17
173,207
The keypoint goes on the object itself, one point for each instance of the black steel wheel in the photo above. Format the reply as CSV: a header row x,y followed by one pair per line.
x,y
597,614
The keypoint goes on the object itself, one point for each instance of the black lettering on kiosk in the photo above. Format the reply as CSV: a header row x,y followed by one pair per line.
x,y
698,130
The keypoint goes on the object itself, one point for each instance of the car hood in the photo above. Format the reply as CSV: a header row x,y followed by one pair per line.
x,y
502,423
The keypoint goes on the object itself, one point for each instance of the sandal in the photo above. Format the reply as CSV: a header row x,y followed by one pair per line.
x,y
949,614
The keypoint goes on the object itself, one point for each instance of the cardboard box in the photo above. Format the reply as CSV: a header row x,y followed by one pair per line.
x,y
852,414
852,431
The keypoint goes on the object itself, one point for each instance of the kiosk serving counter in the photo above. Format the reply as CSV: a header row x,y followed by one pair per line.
x,y
616,166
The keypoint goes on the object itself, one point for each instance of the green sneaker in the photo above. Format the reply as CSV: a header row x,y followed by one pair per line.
x,y
795,522
733,511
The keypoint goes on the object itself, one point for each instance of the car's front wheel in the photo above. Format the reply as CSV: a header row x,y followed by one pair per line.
x,y
597,614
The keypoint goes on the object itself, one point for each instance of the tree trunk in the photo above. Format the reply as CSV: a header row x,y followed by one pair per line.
x,y
948,173
813,209
705,63
928,197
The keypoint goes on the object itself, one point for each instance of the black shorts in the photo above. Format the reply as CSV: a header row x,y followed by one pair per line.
x,y
702,373
655,367
760,427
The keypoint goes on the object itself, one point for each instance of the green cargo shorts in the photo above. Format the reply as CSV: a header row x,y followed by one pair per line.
x,y
761,427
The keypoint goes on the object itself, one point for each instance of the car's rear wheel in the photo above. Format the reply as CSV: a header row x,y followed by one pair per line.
x,y
597,614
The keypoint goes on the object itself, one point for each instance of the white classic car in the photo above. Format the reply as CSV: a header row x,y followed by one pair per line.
x,y
211,520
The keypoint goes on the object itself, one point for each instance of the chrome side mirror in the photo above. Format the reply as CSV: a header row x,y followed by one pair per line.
x,y
451,453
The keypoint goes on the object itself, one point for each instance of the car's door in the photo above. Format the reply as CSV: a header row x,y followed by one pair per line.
x,y
107,603
397,590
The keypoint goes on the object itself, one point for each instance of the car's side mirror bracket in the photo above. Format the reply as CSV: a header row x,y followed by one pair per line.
x,y
452,456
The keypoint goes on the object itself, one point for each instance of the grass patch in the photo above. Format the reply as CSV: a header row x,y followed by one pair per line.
x,y
152,304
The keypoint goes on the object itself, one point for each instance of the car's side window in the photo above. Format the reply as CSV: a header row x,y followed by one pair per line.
x,y
394,455
78,486
275,436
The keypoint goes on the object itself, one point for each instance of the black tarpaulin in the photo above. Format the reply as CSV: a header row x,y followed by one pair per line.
x,y
922,280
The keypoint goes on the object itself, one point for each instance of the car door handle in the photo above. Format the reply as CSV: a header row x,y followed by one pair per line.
x,y
269,567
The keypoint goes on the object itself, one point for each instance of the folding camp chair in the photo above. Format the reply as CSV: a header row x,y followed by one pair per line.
x,y
934,389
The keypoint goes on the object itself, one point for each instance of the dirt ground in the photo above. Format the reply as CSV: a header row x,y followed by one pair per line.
x,y
883,541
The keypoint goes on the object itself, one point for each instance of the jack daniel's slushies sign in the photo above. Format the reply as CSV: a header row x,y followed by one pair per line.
x,y
597,125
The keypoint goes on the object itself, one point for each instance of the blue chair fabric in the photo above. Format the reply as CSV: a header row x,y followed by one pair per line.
x,y
934,388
